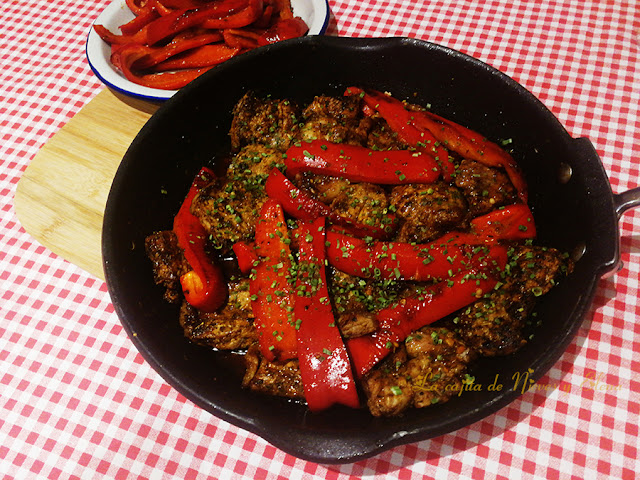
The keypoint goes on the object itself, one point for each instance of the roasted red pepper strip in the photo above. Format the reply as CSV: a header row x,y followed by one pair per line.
x,y
200,57
401,121
472,145
136,6
271,286
514,222
185,4
180,20
139,37
246,256
462,140
360,164
283,8
398,321
125,56
173,23
324,363
406,261
146,15
204,286
284,29
181,43
302,205
249,14
265,19
240,38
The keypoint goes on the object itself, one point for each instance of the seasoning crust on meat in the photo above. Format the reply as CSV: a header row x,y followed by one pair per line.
x,y
168,262
429,368
432,364
229,328
494,325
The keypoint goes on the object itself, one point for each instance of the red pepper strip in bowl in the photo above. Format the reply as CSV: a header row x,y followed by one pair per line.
x,y
136,6
240,38
249,14
271,286
405,261
284,29
139,37
204,286
199,57
401,121
398,321
123,57
144,16
172,23
302,205
360,164
180,43
184,4
179,20
325,367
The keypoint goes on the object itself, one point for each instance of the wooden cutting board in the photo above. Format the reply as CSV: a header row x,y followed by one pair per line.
x,y
60,198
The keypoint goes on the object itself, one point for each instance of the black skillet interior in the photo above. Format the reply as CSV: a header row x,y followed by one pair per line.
x,y
191,130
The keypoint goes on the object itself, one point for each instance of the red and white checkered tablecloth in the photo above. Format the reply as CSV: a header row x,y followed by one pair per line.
x,y
76,398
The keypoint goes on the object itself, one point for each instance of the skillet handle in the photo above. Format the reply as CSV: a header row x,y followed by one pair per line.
x,y
626,200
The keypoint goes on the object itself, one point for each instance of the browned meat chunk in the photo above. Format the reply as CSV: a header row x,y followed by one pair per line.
x,y
357,323
495,325
363,203
266,121
229,328
536,270
379,134
429,368
229,210
334,119
355,300
281,379
388,391
325,188
340,120
168,262
427,211
437,363
484,188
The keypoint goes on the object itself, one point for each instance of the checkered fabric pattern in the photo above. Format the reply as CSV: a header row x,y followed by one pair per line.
x,y
78,402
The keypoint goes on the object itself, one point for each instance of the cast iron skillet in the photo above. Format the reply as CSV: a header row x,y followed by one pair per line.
x,y
571,198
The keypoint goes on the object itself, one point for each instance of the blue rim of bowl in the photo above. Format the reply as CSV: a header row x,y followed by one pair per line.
x,y
165,94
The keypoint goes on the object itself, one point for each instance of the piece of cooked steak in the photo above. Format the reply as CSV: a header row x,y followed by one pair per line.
x,y
364,203
229,328
483,187
334,119
229,208
168,263
428,368
495,324
427,211
325,188
269,122
355,300
273,378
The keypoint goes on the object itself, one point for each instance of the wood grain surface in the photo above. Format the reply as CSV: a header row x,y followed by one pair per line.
x,y
61,196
